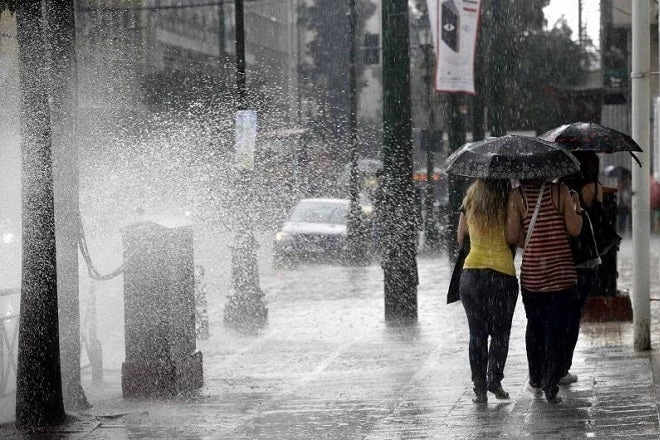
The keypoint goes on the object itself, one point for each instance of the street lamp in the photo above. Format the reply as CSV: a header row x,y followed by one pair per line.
x,y
355,230
429,136
245,308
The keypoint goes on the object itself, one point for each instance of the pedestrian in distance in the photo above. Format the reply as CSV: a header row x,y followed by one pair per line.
x,y
624,204
548,278
654,196
589,191
377,223
488,283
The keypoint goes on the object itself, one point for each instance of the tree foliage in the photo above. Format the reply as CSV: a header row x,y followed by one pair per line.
x,y
7,5
523,59
326,72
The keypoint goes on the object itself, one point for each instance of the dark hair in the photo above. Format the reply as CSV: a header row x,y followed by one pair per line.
x,y
589,165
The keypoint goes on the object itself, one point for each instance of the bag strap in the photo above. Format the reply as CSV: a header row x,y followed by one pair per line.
x,y
532,222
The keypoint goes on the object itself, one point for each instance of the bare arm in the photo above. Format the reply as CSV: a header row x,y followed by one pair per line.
x,y
462,229
570,208
588,194
514,218
591,192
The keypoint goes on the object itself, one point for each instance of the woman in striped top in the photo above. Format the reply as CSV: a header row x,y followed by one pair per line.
x,y
488,286
548,279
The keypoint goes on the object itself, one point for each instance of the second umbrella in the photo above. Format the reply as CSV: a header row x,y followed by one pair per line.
x,y
512,157
589,136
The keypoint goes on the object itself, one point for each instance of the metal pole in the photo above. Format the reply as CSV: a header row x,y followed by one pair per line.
x,y
355,242
241,88
498,69
245,308
580,33
457,138
641,63
221,31
399,260
431,241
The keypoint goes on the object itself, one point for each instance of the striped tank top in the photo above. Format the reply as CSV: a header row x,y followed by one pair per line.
x,y
547,263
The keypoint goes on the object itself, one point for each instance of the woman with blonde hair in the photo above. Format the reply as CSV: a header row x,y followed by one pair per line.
x,y
488,286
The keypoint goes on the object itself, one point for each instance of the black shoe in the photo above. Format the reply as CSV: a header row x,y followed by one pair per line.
x,y
551,395
479,396
498,391
555,399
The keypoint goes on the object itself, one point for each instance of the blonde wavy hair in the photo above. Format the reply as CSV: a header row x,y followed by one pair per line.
x,y
485,204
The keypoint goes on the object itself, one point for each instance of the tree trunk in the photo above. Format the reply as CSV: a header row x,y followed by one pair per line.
x,y
39,384
60,31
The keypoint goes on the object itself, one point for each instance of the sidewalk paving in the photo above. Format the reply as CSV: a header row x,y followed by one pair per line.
x,y
329,367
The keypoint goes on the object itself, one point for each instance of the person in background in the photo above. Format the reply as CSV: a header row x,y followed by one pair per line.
x,y
548,279
377,224
654,196
624,204
590,194
488,285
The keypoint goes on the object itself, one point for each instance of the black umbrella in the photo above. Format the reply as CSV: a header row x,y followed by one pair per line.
x,y
587,136
512,157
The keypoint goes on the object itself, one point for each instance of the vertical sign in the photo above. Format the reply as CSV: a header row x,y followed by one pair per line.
x,y
454,24
246,137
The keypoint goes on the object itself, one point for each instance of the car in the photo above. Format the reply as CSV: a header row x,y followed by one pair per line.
x,y
315,231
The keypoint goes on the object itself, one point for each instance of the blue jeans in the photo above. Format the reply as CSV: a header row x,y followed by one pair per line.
x,y
489,298
549,315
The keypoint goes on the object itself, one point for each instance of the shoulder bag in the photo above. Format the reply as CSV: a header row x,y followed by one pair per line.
x,y
584,247
454,294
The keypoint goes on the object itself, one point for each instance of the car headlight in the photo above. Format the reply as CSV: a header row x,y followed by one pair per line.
x,y
7,237
280,236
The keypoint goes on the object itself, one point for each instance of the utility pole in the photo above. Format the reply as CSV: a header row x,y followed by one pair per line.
x,y
498,69
245,308
221,31
640,78
456,135
401,218
431,138
356,242
580,31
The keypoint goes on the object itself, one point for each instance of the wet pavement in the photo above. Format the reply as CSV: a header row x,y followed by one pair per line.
x,y
328,366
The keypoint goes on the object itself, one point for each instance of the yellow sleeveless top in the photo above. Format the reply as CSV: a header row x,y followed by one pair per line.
x,y
489,251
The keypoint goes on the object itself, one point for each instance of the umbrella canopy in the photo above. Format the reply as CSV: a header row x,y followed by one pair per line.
x,y
587,136
617,172
369,165
512,157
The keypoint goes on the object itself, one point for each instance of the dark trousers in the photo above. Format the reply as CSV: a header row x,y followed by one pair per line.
x,y
549,316
489,299
587,279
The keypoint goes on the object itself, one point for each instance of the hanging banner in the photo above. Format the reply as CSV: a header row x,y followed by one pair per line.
x,y
246,138
454,24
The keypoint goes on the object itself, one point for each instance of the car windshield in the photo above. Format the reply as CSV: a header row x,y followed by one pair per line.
x,y
319,212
